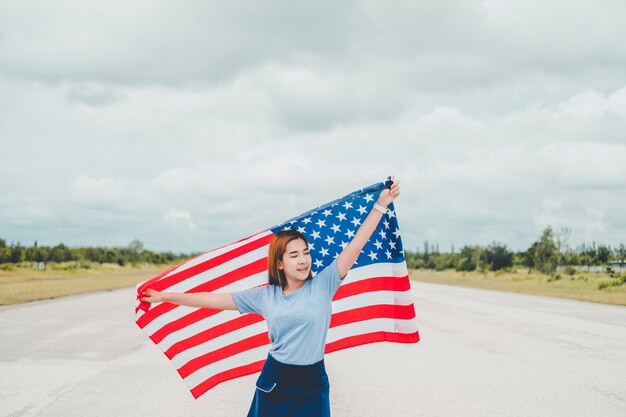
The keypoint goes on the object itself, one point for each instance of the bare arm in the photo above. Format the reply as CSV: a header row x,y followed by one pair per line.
x,y
220,301
351,252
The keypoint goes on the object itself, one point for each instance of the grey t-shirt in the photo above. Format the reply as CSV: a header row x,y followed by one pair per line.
x,y
297,323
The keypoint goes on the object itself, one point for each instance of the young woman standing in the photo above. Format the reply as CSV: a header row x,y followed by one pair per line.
x,y
297,309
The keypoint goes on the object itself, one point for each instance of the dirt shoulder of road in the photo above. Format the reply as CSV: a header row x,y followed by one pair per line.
x,y
586,286
27,283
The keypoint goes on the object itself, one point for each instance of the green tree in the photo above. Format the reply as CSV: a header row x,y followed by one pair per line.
x,y
528,256
621,254
445,261
604,253
546,256
110,256
496,256
468,259
60,253
18,254
135,248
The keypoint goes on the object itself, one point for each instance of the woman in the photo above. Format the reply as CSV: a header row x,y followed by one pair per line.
x,y
297,309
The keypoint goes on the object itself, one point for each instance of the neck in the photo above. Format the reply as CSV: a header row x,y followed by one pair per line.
x,y
293,285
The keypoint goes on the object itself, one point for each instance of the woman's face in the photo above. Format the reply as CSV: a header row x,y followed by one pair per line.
x,y
296,261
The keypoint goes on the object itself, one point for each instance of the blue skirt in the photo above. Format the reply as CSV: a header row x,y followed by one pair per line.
x,y
291,391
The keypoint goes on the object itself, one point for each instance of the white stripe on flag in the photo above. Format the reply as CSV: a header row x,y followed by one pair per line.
x,y
383,269
207,276
368,326
372,298
207,347
369,298
181,311
345,304
240,359
195,328
217,252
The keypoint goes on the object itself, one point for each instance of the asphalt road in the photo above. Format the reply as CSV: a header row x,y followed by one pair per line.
x,y
482,353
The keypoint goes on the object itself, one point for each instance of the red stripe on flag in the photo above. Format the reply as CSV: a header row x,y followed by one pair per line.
x,y
373,337
222,353
337,319
381,311
354,288
212,333
373,284
331,347
211,263
144,305
225,376
181,323
216,283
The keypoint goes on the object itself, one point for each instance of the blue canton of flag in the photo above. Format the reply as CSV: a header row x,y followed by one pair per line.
x,y
330,227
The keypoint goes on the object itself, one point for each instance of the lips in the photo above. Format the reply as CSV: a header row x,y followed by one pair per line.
x,y
303,269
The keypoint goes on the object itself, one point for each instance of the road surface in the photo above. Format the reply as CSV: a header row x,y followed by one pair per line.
x,y
482,353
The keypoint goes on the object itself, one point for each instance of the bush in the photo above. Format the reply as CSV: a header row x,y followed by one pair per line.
x,y
444,261
84,265
578,278
465,264
570,270
554,277
606,283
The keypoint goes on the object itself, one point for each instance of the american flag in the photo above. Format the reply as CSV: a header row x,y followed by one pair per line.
x,y
373,304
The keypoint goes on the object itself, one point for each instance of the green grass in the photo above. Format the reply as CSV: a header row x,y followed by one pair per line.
x,y
587,286
23,283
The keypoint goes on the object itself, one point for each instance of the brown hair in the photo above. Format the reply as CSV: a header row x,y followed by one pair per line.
x,y
276,252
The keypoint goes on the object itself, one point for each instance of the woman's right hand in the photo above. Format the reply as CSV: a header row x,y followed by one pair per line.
x,y
151,296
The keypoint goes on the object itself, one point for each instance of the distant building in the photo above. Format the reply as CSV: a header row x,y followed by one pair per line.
x,y
616,266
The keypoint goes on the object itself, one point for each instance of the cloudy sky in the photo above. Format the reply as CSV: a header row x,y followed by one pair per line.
x,y
192,124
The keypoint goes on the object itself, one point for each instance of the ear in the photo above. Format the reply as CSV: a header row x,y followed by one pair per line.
x,y
280,265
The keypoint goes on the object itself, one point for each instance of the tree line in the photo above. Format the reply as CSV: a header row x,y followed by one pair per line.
x,y
134,253
545,254
548,252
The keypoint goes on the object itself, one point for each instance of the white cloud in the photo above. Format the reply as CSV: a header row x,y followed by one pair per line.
x,y
127,119
178,216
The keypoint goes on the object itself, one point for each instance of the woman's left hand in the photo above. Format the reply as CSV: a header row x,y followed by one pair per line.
x,y
389,194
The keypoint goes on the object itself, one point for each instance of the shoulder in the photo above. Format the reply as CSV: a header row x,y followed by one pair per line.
x,y
255,299
329,272
328,280
255,292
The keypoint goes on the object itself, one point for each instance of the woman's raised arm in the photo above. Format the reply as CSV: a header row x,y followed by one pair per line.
x,y
220,301
351,252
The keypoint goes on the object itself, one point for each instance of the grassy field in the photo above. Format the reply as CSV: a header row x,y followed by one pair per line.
x,y
26,283
585,286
